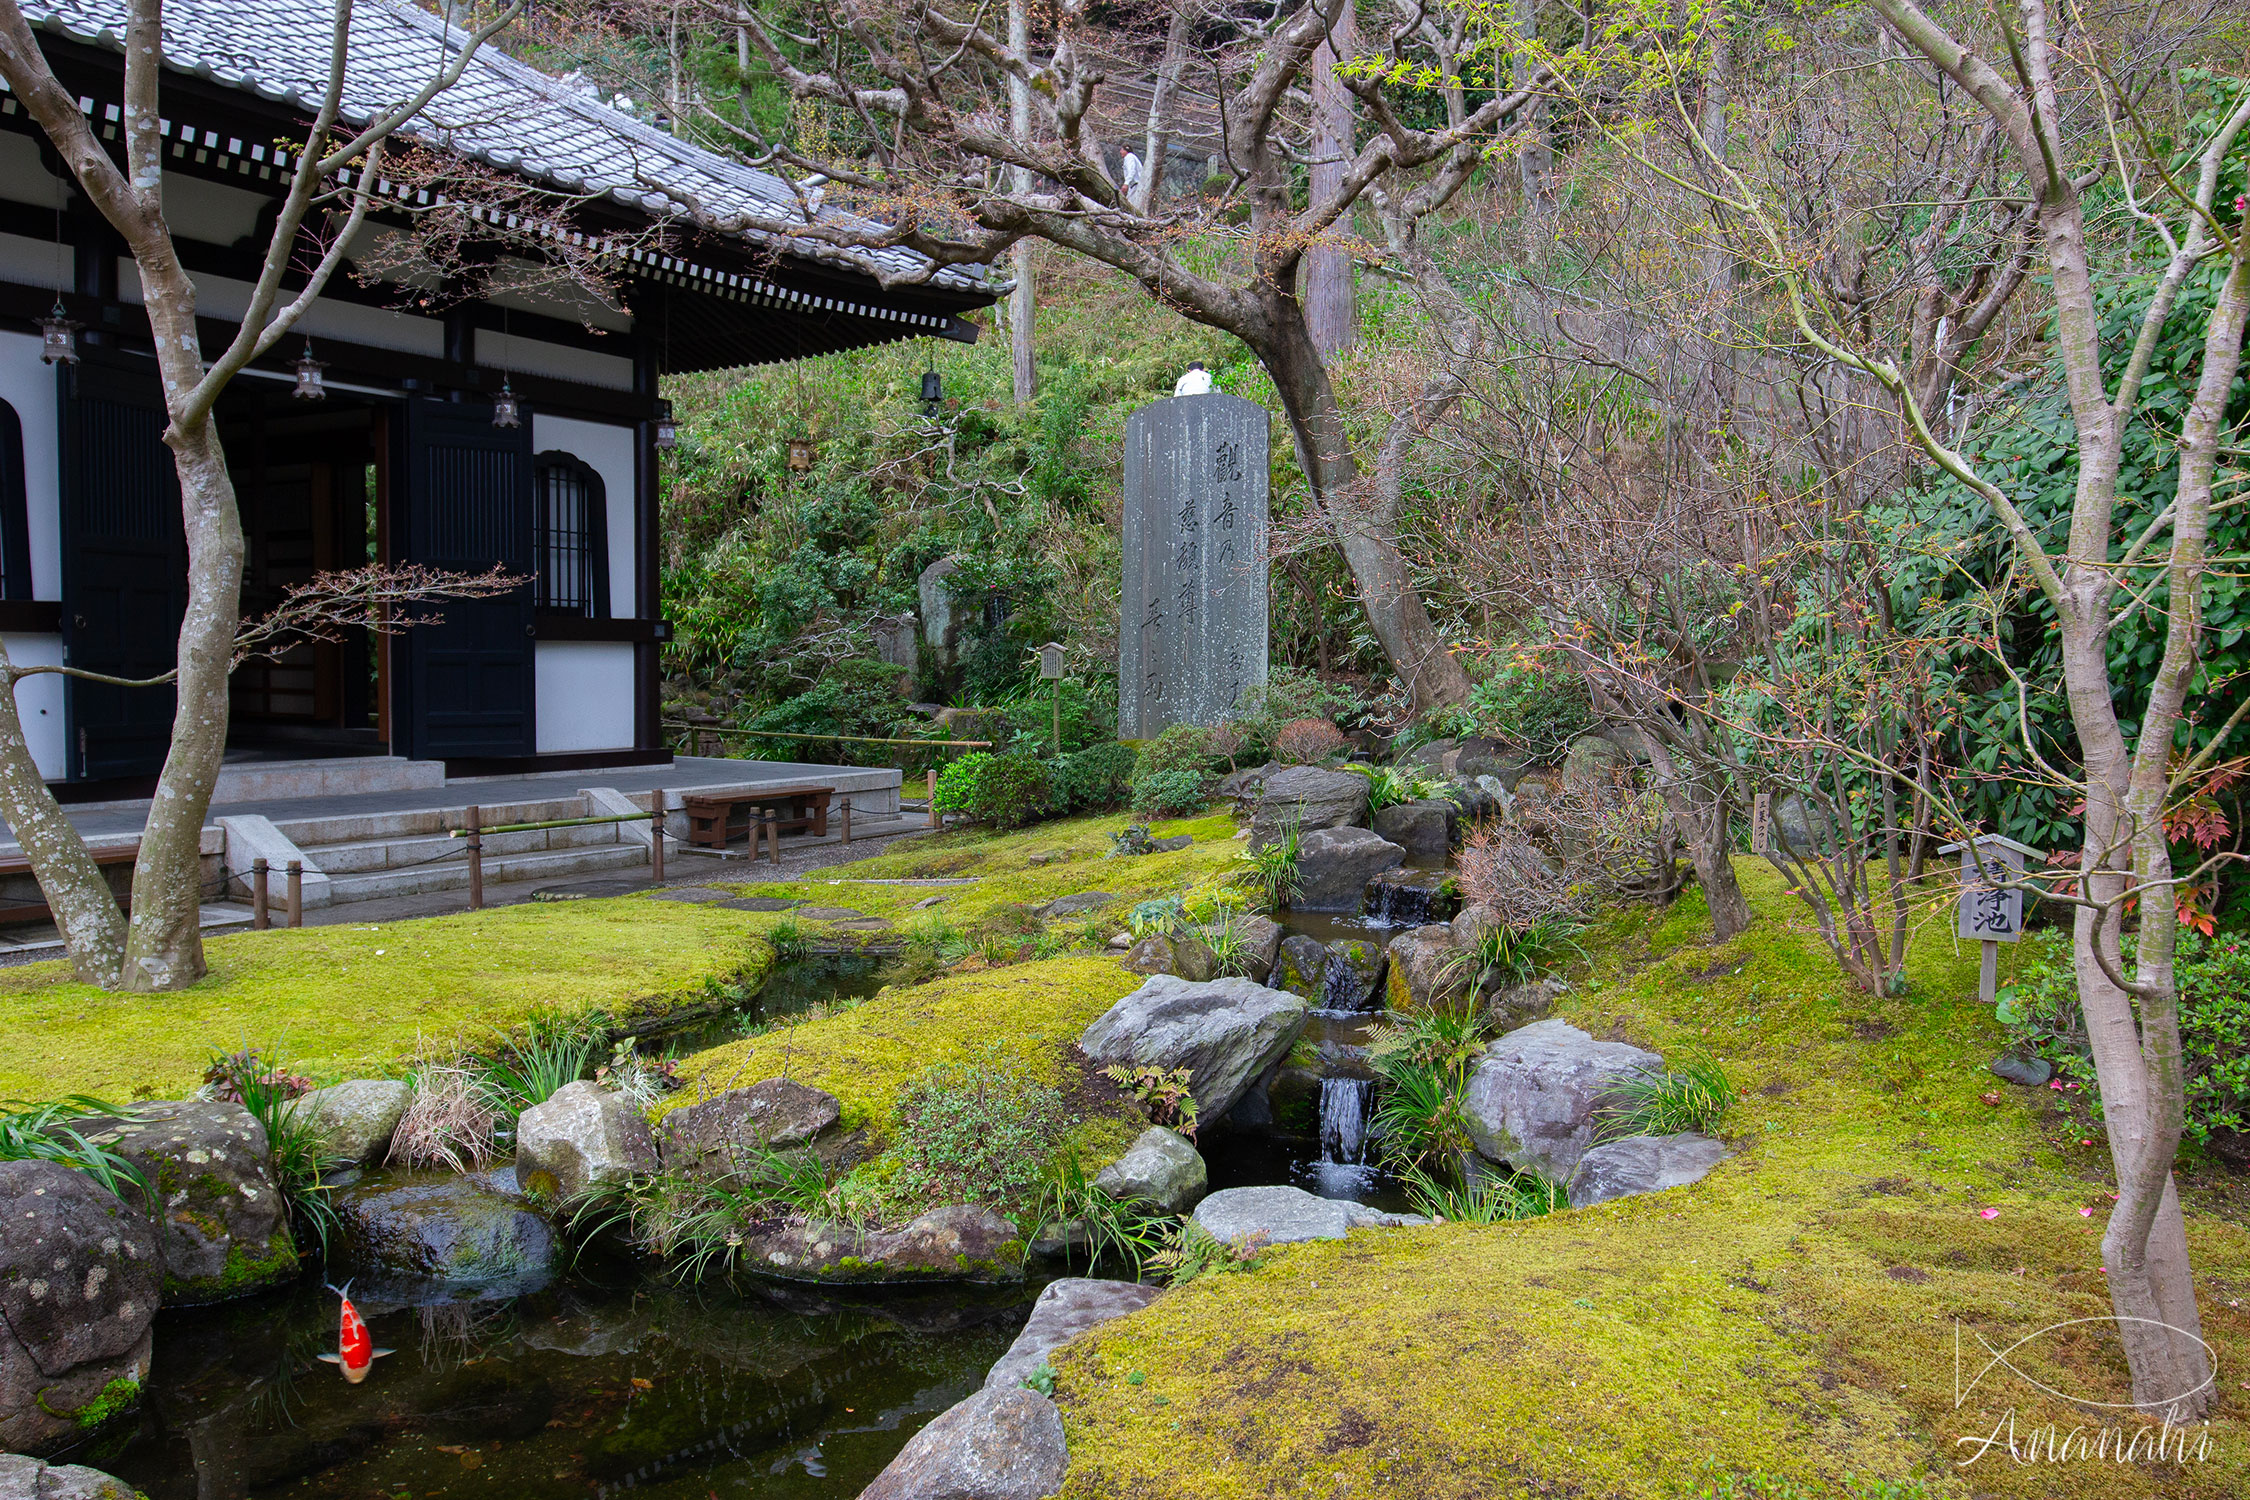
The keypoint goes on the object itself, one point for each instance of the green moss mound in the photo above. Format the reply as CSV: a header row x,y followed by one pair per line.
x,y
358,999
1786,1327
1024,1016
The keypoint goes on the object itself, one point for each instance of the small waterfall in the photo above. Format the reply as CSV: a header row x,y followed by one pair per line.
x,y
1342,987
1399,903
1343,1120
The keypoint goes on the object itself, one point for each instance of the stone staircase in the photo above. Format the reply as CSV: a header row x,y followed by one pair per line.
x,y
371,856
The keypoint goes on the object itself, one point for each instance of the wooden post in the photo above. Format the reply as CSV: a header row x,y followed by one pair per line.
x,y
773,833
261,912
845,813
1988,973
296,893
656,803
476,859
935,820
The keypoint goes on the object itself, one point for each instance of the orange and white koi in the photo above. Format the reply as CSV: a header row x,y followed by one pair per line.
x,y
355,1347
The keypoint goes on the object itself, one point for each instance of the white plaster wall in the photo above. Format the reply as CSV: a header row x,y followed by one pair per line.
x,y
39,701
585,695
350,322
609,451
29,387
514,352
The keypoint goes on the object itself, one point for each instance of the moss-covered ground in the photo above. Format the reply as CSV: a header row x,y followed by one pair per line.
x,y
1790,1321
363,999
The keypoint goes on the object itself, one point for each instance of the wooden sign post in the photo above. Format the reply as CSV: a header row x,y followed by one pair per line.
x,y
1990,913
1051,670
1761,823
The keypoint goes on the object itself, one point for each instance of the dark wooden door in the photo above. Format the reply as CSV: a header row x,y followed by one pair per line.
x,y
124,558
465,501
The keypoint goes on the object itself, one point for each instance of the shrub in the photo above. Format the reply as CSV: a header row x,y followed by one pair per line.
x,y
1183,747
1004,791
2040,1010
296,1148
1494,1200
1272,871
1122,1229
1540,710
1130,841
1301,742
1424,1063
1164,1092
975,1133
1395,786
1172,793
1095,779
1695,1096
234,1076
1164,914
524,1073
1290,694
1504,955
1194,1250
448,1123
49,1132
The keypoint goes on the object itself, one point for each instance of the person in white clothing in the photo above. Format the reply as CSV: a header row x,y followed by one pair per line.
x,y
1196,382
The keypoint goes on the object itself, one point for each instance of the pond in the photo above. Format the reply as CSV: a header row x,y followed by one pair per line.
x,y
586,1388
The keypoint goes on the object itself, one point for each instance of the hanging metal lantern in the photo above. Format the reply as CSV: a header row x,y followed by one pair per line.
x,y
667,430
933,392
504,413
309,387
58,343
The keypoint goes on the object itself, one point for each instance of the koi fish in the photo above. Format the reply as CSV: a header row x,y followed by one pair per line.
x,y
355,1348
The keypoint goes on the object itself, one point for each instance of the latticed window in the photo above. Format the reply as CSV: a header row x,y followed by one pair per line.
x,y
568,534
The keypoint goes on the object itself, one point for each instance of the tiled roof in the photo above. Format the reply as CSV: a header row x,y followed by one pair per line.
x,y
501,112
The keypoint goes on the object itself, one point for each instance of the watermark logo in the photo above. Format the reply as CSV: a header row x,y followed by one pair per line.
x,y
2163,1439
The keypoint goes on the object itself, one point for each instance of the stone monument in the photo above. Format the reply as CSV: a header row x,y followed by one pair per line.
x,y
1191,636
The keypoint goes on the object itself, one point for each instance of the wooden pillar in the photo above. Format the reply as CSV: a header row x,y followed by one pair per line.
x,y
656,803
261,911
296,893
476,859
935,821
845,815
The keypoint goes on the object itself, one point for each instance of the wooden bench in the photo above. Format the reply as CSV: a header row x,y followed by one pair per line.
x,y
38,911
711,817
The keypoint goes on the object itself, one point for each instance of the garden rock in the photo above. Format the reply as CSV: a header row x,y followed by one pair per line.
x,y
80,1281
1426,969
1472,923
356,1118
1242,787
1413,897
1519,1005
1158,1169
1067,1308
1181,956
2030,1072
775,1114
584,1137
1439,756
1261,942
1481,757
1172,845
1301,967
1642,1164
1356,970
1592,759
1000,1444
1071,906
1312,798
26,1478
1281,1215
222,1227
960,1243
1803,828
1534,1097
1335,864
415,1234
1423,829
1225,1032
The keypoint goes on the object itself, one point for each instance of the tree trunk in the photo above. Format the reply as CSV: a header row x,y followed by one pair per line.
x,y
1328,267
93,929
1022,308
1535,159
1370,547
164,942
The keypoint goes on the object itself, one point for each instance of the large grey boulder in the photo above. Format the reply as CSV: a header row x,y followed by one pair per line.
x,y
1312,798
583,1137
25,1478
414,1235
1642,1164
1225,1032
1335,864
1276,1215
80,1282
1066,1309
222,1226
1535,1096
1356,973
1003,1443
1593,760
774,1114
1426,970
356,1118
1158,1169
1181,955
1261,942
1423,829
947,613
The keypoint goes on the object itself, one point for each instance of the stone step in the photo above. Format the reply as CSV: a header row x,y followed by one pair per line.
x,y
363,855
453,874
310,833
